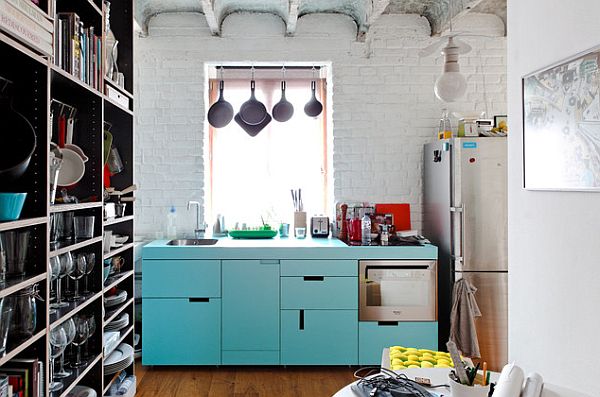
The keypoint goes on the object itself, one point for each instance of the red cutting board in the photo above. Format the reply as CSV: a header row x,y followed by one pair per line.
x,y
401,214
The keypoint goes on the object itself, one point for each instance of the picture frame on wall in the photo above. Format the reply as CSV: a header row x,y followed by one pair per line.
x,y
561,125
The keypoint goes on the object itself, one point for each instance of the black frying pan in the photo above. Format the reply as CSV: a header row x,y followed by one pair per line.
x,y
253,112
221,112
252,130
313,108
283,110
18,140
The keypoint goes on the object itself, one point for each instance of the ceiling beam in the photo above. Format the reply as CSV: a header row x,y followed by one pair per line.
x,y
374,9
208,10
461,9
292,18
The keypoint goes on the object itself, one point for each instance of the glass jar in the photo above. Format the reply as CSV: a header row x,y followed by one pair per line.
x,y
24,313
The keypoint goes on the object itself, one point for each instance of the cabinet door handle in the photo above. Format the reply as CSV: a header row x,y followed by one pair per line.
x,y
269,261
387,323
301,320
314,278
194,300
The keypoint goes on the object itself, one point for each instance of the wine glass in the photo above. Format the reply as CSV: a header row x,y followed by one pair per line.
x,y
81,335
66,267
91,329
54,269
91,261
58,342
77,273
69,327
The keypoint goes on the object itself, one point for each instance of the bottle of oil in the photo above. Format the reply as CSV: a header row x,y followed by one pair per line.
x,y
445,130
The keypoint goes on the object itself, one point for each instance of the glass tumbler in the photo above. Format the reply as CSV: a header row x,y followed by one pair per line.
x,y
83,227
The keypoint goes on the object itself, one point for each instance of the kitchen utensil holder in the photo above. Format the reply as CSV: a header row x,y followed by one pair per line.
x,y
299,220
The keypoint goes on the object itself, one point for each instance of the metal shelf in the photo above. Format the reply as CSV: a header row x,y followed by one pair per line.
x,y
22,223
75,246
116,221
118,281
22,346
73,207
118,251
12,286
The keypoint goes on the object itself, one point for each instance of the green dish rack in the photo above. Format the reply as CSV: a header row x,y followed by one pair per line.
x,y
252,234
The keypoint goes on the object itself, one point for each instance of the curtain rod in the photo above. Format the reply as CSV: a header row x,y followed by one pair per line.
x,y
291,67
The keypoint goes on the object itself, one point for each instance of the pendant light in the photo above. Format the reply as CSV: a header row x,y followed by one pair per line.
x,y
451,85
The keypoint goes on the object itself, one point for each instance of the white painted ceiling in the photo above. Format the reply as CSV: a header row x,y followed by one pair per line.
x,y
363,12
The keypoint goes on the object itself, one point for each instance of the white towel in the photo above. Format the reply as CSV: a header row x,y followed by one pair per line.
x,y
462,318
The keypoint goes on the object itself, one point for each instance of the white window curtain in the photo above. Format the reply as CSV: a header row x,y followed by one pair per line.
x,y
251,177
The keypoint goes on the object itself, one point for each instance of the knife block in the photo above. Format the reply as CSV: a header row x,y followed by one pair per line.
x,y
300,220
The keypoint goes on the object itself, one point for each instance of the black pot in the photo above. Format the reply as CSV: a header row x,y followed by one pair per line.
x,y
18,139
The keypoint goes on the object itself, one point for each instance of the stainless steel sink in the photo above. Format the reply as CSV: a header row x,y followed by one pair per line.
x,y
194,241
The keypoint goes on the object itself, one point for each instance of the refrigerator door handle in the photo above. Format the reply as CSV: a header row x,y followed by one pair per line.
x,y
460,210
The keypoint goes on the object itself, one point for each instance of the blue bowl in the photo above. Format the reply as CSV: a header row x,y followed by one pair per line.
x,y
11,205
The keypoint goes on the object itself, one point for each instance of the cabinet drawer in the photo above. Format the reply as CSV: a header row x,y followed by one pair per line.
x,y
374,336
181,278
250,357
181,331
319,268
319,337
319,292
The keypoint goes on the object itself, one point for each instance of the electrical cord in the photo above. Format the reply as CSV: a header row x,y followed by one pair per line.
x,y
381,382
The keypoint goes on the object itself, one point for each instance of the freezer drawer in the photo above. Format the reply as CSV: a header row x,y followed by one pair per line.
x,y
492,326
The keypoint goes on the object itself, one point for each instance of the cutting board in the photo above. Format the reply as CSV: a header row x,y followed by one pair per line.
x,y
401,214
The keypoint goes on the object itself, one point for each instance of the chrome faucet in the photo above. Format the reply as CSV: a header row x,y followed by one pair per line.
x,y
200,229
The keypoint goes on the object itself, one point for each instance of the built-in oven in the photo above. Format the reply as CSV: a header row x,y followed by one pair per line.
x,y
398,290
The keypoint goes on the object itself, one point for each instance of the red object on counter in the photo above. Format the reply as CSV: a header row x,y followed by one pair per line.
x,y
401,213
355,229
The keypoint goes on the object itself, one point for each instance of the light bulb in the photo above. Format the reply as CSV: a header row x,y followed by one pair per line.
x,y
450,86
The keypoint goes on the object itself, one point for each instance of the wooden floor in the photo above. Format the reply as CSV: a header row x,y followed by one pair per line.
x,y
241,381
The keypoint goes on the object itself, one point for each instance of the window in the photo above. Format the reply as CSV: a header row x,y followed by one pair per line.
x,y
251,177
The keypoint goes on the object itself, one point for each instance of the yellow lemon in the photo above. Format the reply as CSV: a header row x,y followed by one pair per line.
x,y
441,366
413,357
413,366
396,361
428,359
426,364
410,362
427,354
397,367
443,361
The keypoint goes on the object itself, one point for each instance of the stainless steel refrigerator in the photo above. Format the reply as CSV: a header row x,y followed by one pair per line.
x,y
465,215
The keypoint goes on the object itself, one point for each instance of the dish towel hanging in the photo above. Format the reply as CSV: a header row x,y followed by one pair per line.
x,y
462,318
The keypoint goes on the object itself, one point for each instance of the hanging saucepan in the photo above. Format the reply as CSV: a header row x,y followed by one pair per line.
x,y
252,130
313,108
253,112
221,112
18,140
73,164
283,110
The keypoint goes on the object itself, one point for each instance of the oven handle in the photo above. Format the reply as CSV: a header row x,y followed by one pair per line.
x,y
389,267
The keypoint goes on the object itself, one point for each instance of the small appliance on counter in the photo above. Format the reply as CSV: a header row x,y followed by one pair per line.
x,y
319,226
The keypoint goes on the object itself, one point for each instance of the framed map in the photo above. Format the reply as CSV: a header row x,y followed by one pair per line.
x,y
561,125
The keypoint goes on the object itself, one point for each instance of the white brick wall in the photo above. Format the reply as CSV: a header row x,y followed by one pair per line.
x,y
384,108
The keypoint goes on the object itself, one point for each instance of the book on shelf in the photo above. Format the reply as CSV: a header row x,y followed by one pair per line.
x,y
25,375
78,49
25,29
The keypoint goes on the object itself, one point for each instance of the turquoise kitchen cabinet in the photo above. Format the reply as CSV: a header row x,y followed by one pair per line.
x,y
251,307
375,336
168,278
181,331
319,337
319,267
319,292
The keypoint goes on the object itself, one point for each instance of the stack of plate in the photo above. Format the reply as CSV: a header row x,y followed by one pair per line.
x,y
119,359
118,324
82,391
116,299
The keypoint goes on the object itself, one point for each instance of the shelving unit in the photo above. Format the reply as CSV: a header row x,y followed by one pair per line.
x,y
36,81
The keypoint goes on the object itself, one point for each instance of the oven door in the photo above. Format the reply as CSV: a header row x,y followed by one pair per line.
x,y
398,291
